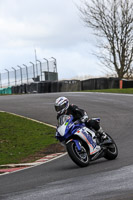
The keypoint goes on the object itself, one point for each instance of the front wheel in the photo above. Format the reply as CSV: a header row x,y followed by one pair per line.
x,y
112,150
81,158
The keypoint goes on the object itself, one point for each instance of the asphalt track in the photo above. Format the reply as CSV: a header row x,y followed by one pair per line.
x,y
61,179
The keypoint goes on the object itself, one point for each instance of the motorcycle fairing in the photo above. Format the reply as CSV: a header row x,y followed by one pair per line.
x,y
84,135
69,128
66,129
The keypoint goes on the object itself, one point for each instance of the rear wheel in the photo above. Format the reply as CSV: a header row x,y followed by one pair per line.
x,y
81,158
112,150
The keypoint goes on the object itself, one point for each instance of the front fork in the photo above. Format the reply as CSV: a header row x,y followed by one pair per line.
x,y
77,143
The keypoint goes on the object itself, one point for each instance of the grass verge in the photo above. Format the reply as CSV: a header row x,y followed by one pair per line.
x,y
122,91
21,138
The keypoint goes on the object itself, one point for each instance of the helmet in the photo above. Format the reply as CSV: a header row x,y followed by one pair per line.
x,y
61,104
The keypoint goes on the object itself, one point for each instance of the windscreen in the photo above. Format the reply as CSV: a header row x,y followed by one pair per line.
x,y
62,119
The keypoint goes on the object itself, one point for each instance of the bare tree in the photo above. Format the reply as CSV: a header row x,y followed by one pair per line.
x,y
112,22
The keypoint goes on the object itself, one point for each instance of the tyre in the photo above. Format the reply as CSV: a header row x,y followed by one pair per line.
x,y
81,158
112,150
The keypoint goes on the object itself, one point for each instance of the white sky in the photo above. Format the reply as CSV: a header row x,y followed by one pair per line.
x,y
53,28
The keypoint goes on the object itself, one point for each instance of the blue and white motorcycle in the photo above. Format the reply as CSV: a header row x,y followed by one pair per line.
x,y
83,144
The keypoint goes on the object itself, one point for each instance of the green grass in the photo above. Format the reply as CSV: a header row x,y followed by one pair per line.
x,y
123,91
20,138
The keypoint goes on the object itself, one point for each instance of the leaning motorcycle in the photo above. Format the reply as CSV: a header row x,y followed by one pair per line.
x,y
83,144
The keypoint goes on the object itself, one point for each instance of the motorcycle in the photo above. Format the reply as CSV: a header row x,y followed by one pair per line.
x,y
83,144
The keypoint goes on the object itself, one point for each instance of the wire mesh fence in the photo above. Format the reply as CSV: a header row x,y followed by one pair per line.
x,y
28,74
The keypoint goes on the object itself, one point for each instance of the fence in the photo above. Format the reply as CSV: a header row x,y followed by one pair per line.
x,y
41,71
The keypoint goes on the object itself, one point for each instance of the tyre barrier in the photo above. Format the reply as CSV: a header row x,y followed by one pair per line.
x,y
100,83
6,90
67,86
47,87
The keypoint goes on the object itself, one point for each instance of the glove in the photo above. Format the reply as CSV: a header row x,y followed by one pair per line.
x,y
84,118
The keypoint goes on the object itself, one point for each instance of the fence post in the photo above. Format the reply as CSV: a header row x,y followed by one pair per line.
x,y
20,74
8,77
33,69
15,74
26,71
47,66
55,63
40,68
0,80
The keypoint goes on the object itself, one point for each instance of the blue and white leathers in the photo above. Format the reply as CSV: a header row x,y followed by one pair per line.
x,y
67,130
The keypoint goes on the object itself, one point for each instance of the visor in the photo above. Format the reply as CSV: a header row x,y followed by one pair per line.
x,y
59,108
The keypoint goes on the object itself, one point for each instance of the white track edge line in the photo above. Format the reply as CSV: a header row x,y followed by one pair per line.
x,y
33,162
7,173
28,118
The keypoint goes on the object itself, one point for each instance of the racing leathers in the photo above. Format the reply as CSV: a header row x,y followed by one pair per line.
x,y
80,114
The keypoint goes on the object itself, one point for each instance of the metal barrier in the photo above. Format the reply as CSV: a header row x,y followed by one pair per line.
x,y
41,71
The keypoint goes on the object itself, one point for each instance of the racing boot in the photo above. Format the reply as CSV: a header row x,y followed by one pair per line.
x,y
101,134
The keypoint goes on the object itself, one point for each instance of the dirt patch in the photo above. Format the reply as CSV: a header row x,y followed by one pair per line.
x,y
53,148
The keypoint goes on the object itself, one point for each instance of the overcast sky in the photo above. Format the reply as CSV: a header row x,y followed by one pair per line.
x,y
54,29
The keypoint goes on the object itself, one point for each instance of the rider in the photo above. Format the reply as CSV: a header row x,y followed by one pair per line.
x,y
62,106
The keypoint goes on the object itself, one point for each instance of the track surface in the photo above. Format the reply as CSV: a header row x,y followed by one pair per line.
x,y
61,179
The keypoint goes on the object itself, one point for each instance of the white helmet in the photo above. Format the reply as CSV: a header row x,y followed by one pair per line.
x,y
61,104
